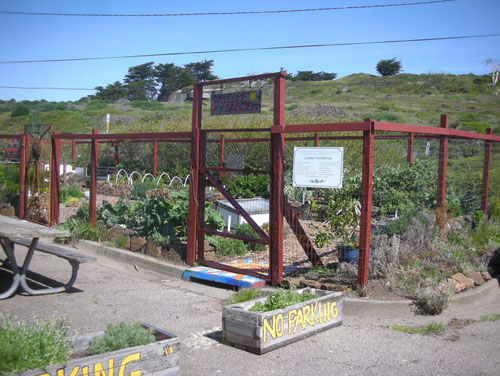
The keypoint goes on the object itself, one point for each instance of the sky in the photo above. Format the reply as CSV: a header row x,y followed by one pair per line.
x,y
31,37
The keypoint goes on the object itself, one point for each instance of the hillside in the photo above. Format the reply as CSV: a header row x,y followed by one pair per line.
x,y
406,98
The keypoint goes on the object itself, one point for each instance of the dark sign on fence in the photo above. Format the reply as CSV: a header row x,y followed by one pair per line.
x,y
243,102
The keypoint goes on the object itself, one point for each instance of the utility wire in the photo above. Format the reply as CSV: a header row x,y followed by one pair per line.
x,y
45,88
254,49
224,13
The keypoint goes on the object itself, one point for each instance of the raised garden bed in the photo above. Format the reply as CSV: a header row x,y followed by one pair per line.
x,y
158,358
260,332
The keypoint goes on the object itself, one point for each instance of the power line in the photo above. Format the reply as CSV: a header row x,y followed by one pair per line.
x,y
225,13
254,49
46,88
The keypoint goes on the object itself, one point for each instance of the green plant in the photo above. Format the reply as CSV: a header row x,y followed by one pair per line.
x,y
403,223
140,189
82,229
25,347
66,193
281,299
20,110
243,295
246,230
432,328
121,336
229,246
248,186
342,213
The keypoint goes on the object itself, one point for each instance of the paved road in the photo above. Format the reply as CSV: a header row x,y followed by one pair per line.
x,y
111,291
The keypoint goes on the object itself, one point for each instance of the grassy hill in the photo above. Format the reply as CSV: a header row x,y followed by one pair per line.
x,y
406,98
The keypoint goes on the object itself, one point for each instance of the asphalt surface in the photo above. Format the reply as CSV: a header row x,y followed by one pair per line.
x,y
122,286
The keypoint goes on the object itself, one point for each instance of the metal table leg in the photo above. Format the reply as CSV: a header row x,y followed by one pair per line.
x,y
8,248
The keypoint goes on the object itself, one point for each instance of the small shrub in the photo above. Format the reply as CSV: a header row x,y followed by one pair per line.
x,y
401,225
246,230
120,337
24,347
432,300
231,247
20,110
66,193
281,299
248,186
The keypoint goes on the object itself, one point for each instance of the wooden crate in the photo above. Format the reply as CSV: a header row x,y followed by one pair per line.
x,y
161,358
260,332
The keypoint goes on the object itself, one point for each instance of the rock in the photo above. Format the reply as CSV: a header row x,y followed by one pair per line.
x,y
475,276
456,286
137,244
152,249
113,233
7,210
486,276
460,278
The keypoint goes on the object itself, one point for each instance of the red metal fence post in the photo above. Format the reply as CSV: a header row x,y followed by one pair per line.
x,y
486,174
409,153
117,154
22,174
221,154
443,160
316,139
73,153
194,174
366,204
155,152
55,162
276,206
201,198
93,177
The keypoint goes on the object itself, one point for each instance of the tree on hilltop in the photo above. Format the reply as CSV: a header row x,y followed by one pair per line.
x,y
312,76
390,67
140,80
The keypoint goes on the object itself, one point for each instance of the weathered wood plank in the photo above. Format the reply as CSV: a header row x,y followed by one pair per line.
x,y
20,228
55,250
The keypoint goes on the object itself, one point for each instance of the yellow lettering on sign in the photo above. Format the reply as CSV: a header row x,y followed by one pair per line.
x,y
307,311
299,320
313,313
126,360
169,350
60,372
334,309
292,314
85,371
99,371
267,327
326,312
279,325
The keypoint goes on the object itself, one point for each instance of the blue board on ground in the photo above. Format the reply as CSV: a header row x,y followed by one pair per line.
x,y
222,276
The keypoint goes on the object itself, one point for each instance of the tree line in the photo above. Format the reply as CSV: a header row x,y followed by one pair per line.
x,y
148,82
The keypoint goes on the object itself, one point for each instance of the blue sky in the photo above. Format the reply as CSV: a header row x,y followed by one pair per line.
x,y
25,37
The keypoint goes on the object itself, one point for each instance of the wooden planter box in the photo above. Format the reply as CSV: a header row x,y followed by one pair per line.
x,y
160,358
260,332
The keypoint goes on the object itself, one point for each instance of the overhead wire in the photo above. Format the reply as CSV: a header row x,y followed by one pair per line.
x,y
224,13
255,49
45,88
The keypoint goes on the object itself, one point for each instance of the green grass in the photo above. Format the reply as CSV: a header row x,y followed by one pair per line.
x,y
432,328
493,317
24,347
243,295
281,299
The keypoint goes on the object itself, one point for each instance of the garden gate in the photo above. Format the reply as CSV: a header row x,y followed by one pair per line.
x,y
231,159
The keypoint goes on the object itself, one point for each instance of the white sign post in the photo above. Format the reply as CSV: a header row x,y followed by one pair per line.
x,y
318,167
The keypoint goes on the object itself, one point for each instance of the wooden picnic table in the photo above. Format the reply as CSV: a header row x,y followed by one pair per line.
x,y
15,231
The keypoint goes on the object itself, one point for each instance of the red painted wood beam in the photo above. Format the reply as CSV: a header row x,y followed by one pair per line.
x,y
93,178
443,161
22,175
486,175
366,205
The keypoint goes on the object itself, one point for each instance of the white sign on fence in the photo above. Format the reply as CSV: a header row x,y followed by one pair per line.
x,y
318,167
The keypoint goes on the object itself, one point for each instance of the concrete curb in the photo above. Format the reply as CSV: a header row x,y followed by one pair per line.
x,y
358,307
132,258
